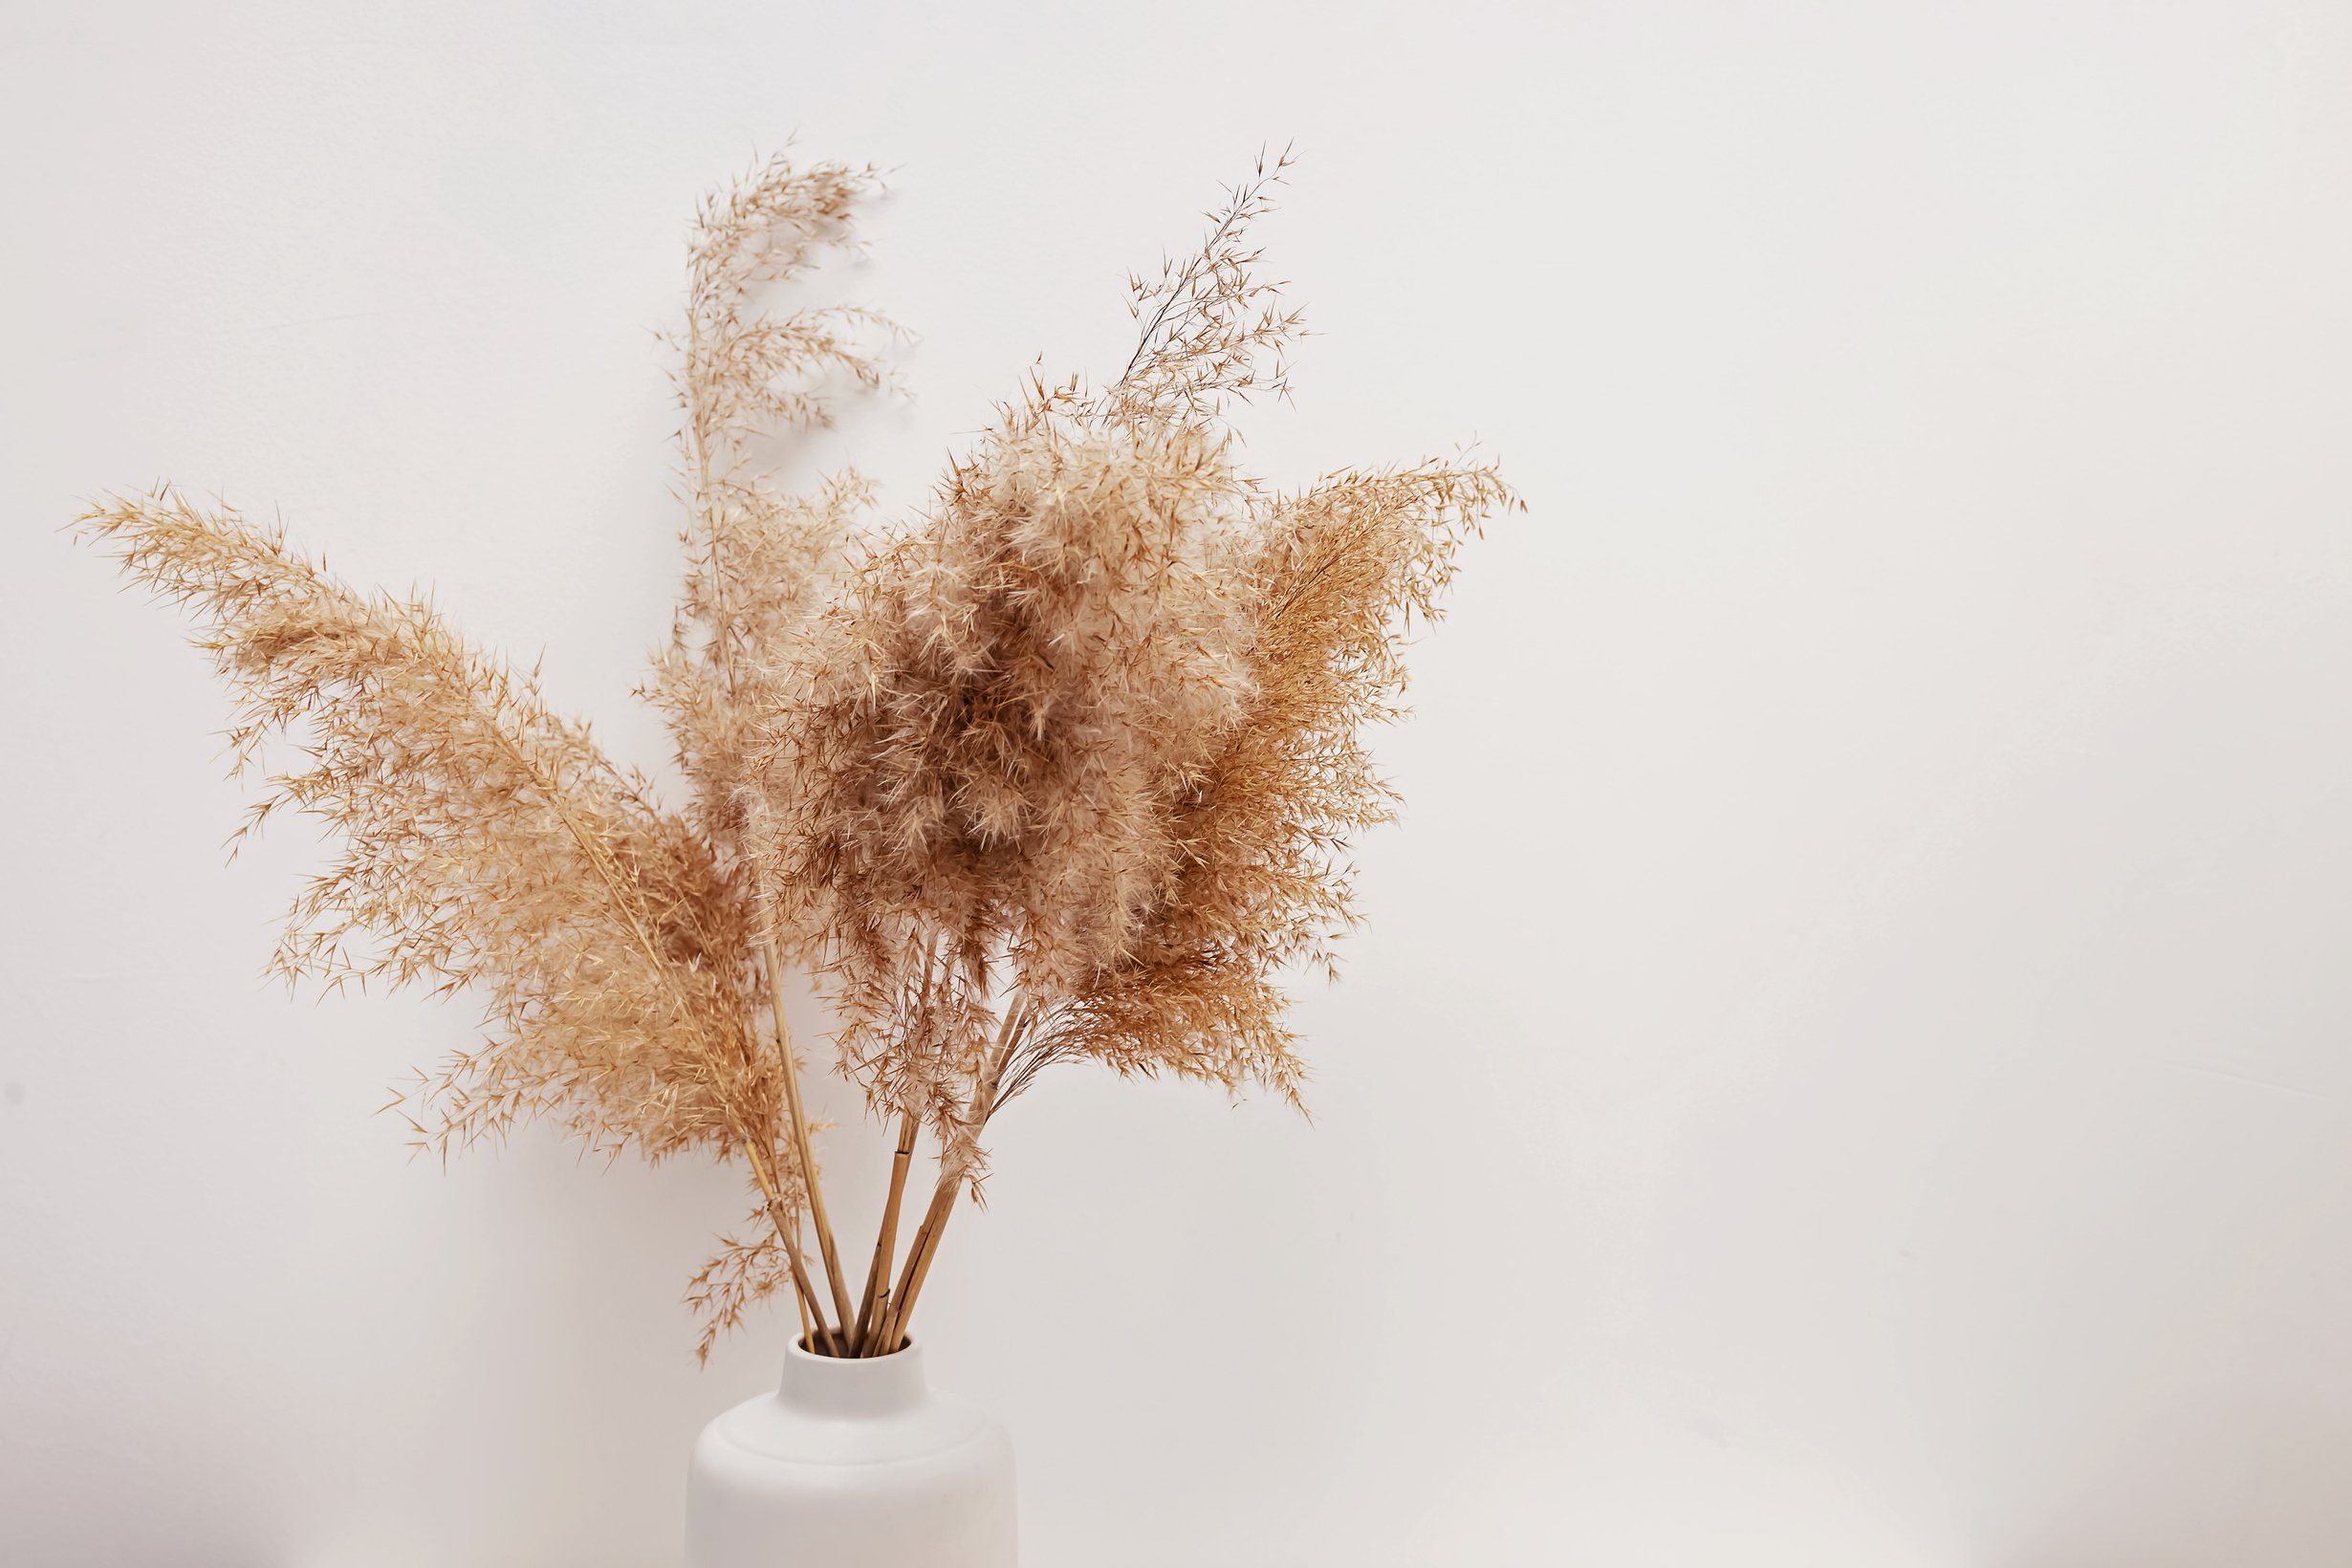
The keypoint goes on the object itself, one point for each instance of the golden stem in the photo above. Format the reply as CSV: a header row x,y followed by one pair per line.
x,y
982,1105
786,1237
919,1256
885,1243
842,1310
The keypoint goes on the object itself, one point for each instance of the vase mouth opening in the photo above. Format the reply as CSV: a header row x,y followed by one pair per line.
x,y
802,1350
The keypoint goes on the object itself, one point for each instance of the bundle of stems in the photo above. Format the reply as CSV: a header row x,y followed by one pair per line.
x,y
1064,767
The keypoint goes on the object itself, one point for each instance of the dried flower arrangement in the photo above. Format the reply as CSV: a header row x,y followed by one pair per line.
x,y
1064,768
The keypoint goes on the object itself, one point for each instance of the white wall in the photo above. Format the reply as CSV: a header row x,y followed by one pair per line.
x,y
1847,1062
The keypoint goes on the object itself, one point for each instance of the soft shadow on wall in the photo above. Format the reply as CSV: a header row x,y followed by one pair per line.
x,y
2225,1483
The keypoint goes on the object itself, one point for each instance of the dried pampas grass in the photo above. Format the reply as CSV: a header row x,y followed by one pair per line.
x,y
1064,768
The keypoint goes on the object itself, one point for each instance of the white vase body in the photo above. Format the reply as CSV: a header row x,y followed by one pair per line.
x,y
851,1464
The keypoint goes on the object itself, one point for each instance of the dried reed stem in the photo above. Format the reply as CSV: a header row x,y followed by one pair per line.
x,y
788,1238
800,1129
886,1239
919,1256
1019,1017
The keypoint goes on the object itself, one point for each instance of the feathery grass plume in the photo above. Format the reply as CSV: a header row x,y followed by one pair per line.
x,y
986,737
1070,767
483,842
1207,320
1336,575
758,558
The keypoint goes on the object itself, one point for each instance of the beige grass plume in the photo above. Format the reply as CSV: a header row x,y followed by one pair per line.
x,y
1068,770
1065,768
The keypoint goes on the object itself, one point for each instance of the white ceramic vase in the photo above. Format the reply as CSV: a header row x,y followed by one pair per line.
x,y
851,1464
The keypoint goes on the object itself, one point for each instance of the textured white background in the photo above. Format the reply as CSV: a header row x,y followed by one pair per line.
x,y
1847,1062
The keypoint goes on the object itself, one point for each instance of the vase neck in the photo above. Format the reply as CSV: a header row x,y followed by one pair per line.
x,y
853,1386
